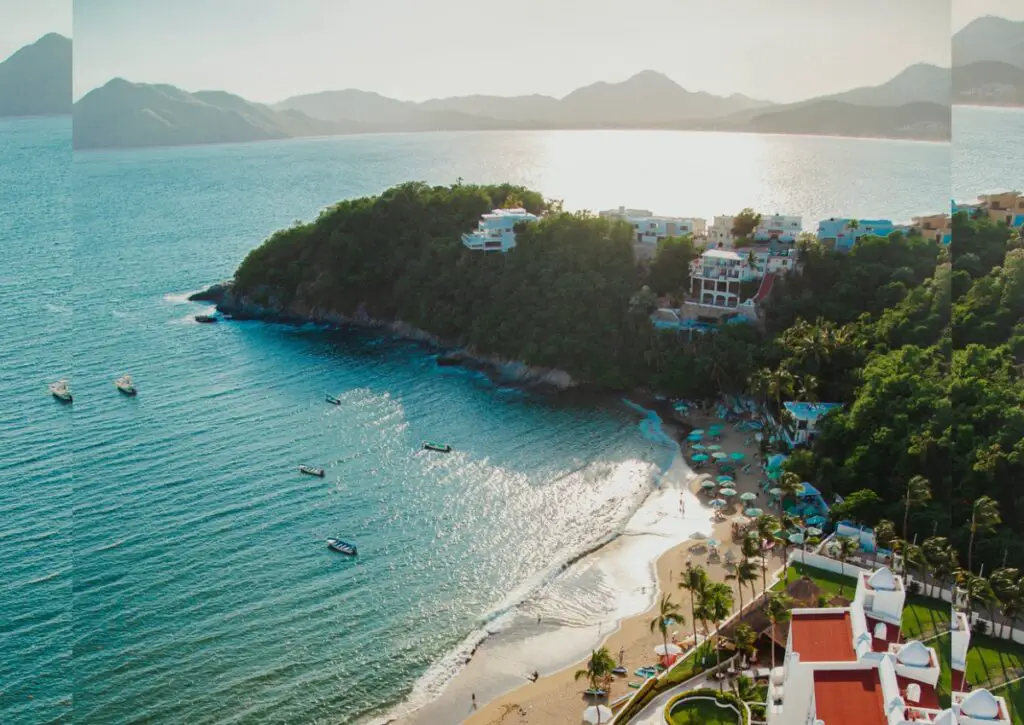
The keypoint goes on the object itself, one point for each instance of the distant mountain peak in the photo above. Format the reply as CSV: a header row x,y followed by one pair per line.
x,y
36,79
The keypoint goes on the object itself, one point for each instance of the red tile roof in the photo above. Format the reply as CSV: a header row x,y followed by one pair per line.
x,y
824,636
929,698
892,635
849,697
960,683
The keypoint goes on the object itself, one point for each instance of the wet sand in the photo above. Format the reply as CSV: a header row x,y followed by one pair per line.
x,y
558,698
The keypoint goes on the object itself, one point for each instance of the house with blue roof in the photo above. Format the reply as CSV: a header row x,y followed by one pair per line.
x,y
801,420
842,234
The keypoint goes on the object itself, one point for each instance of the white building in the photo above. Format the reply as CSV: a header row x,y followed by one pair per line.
x,y
720,234
496,231
801,420
649,228
715,278
778,228
979,706
847,666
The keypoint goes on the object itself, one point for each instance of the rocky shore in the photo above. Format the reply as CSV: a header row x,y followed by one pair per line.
x,y
239,307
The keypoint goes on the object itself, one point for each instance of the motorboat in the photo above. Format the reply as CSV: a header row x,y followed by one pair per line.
x,y
205,318
438,447
342,547
332,400
310,470
126,385
61,391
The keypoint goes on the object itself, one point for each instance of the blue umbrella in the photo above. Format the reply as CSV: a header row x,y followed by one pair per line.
x,y
816,520
796,538
698,447
737,456
693,437
718,503
700,458
753,512
724,479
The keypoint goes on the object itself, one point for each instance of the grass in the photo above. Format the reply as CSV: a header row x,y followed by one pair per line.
x,y
992,661
945,686
924,618
702,712
828,582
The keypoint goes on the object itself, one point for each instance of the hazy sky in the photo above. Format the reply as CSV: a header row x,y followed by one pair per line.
x,y
26,21
964,11
267,50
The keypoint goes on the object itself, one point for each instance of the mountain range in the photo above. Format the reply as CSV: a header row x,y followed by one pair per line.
x,y
988,62
36,80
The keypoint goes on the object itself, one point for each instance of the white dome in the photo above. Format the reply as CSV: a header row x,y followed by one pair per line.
x,y
914,654
883,580
980,704
944,718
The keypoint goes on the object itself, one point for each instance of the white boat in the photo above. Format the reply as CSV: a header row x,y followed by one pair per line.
x,y
311,470
342,547
126,385
61,391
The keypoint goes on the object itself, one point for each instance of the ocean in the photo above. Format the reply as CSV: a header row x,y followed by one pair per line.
x,y
167,558
987,153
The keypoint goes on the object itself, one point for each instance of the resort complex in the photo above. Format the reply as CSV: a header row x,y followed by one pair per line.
x,y
496,231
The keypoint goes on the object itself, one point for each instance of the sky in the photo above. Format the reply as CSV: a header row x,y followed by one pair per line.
x,y
964,11
267,50
25,21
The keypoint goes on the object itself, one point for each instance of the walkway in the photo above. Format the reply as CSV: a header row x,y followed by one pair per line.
x,y
654,713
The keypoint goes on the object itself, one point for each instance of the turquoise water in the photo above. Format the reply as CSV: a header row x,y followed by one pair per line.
x,y
987,152
199,588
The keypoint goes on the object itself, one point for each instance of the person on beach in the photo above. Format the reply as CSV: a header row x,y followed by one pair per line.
x,y
474,701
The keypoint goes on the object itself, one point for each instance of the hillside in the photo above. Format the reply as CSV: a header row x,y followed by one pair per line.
x,y
989,39
920,83
122,114
36,80
989,83
912,120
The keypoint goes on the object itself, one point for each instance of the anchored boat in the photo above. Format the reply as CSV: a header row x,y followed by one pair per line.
x,y
126,385
61,391
310,470
332,400
438,447
205,318
342,547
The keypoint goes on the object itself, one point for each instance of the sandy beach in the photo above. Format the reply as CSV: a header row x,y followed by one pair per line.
x,y
558,698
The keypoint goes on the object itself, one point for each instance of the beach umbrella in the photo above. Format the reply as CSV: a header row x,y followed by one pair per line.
x,y
774,474
724,479
814,531
718,503
699,447
748,496
697,432
718,456
775,491
815,520
668,649
737,456
714,447
713,543
707,484
753,512
715,429
796,538
700,458
597,714
727,492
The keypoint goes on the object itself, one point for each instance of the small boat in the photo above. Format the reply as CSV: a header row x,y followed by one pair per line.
x,y
61,391
620,670
438,447
125,385
205,318
310,470
332,400
342,547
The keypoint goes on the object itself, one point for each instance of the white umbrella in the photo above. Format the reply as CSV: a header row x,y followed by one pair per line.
x,y
707,484
596,714
667,649
748,496
753,512
813,531
727,492
719,456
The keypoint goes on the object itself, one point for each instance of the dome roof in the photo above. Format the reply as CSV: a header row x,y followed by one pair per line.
x,y
882,580
944,718
980,704
914,654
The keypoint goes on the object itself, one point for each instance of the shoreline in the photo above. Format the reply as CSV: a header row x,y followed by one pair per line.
x,y
557,696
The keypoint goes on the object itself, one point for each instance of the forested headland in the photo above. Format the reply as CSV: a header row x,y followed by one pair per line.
x,y
923,347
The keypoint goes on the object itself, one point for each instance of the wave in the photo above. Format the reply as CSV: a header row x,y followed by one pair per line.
x,y
529,593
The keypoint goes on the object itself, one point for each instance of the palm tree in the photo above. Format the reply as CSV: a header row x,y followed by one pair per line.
x,y
848,545
780,383
808,389
913,555
667,611
918,493
598,667
790,484
1007,586
934,551
745,637
745,575
885,535
715,605
787,522
984,519
779,606
767,525
760,384
695,581
974,588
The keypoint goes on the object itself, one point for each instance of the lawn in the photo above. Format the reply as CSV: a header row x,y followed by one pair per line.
x,y
992,661
828,582
924,618
702,712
